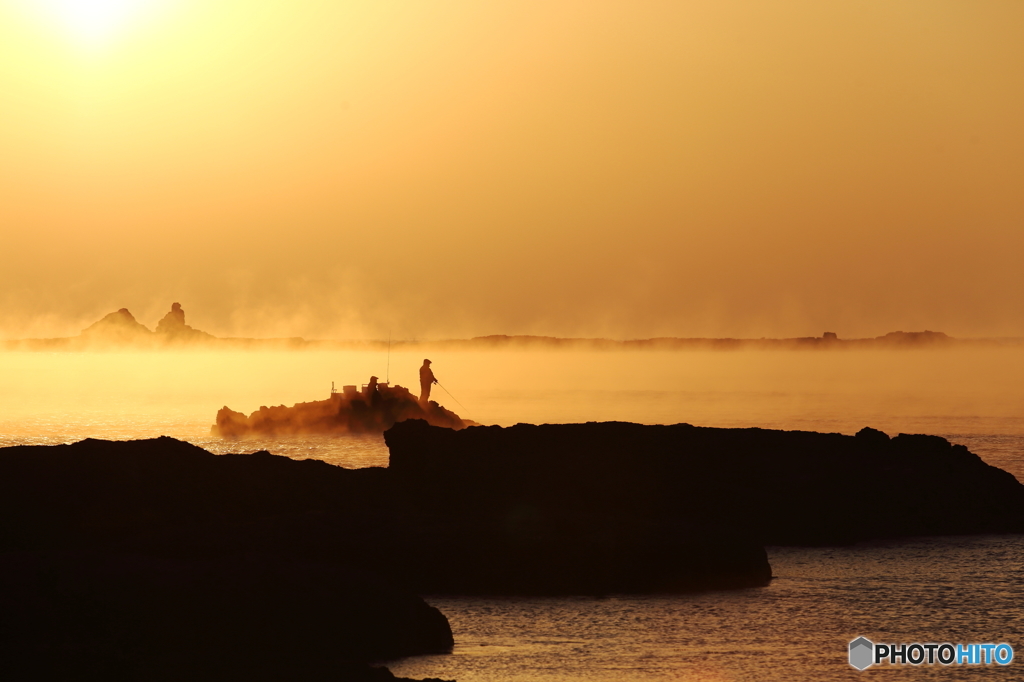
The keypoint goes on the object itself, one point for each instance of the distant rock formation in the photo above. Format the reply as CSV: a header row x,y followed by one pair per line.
x,y
118,328
924,338
122,329
172,328
371,410
173,321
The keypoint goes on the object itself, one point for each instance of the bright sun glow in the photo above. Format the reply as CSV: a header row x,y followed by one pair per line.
x,y
95,22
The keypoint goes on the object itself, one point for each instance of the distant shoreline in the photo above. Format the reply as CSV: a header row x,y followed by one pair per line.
x,y
121,331
891,341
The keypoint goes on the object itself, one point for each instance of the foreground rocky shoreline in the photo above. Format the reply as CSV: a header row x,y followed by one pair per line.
x,y
157,560
113,554
774,487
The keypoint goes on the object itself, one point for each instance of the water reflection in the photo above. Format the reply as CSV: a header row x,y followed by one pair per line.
x,y
930,590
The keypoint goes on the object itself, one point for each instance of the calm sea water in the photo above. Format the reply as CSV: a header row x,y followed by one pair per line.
x,y
959,589
940,589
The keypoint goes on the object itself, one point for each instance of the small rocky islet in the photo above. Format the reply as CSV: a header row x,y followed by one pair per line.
x,y
372,408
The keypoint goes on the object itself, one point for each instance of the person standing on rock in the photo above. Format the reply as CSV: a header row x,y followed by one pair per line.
x,y
426,379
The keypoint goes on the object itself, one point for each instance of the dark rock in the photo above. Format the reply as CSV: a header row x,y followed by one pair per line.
x,y
559,510
86,615
160,557
344,412
872,436
777,487
585,508
170,499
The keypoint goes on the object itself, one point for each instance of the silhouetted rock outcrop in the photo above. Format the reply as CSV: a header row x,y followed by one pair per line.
x,y
350,411
87,615
554,509
153,560
778,487
169,499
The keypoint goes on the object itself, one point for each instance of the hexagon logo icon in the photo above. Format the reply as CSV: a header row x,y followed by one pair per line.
x,y
861,653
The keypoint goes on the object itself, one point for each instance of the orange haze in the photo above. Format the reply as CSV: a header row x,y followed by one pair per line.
x,y
585,168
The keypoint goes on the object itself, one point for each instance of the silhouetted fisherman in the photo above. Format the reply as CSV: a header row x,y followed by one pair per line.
x,y
426,379
371,393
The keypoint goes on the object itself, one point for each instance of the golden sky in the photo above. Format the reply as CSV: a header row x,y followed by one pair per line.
x,y
446,169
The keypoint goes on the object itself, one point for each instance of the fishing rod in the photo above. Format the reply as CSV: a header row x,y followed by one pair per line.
x,y
450,393
387,378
